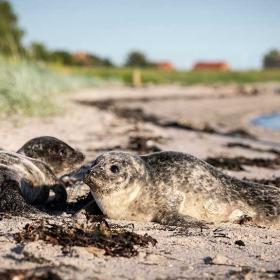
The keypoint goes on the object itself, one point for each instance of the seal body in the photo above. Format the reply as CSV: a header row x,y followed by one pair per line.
x,y
11,199
33,177
175,188
58,155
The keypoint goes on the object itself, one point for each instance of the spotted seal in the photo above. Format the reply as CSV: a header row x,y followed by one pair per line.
x,y
11,199
175,188
58,155
32,179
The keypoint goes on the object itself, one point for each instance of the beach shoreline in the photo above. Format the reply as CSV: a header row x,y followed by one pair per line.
x,y
205,121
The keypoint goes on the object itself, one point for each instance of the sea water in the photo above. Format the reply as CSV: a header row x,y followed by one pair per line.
x,y
268,121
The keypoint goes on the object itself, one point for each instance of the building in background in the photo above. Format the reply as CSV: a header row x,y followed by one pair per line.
x,y
165,65
82,58
211,66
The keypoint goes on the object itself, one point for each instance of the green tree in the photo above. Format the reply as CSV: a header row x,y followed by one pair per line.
x,y
108,63
99,61
96,60
38,51
272,59
138,59
10,32
61,57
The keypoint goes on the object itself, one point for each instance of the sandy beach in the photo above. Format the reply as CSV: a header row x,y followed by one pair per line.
x,y
210,122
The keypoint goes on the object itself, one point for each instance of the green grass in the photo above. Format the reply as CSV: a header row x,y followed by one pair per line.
x,y
154,76
28,88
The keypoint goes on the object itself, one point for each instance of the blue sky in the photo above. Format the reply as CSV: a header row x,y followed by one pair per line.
x,y
182,31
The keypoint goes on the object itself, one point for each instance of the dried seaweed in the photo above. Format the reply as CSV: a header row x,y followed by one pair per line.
x,y
138,143
237,163
143,144
137,114
251,148
114,242
274,181
43,273
251,273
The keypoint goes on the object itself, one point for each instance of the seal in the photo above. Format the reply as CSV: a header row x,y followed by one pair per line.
x,y
58,155
27,177
176,189
11,199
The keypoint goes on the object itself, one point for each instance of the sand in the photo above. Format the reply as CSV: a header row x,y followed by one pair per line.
x,y
179,254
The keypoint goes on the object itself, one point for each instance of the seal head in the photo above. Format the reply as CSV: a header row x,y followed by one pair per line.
x,y
113,172
117,181
58,155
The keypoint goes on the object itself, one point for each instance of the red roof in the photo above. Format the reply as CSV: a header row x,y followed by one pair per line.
x,y
215,65
165,65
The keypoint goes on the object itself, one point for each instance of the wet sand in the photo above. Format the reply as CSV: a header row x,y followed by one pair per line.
x,y
210,122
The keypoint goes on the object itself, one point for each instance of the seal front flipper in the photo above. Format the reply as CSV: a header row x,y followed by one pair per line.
x,y
11,199
90,208
173,218
59,200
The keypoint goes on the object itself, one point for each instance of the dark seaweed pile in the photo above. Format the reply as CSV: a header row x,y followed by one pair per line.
x,y
251,273
143,145
137,143
251,148
274,181
138,114
238,163
29,274
114,241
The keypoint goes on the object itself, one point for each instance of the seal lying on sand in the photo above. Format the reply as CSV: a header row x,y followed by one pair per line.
x,y
33,179
58,155
175,188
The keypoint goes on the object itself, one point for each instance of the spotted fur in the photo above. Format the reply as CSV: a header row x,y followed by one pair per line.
x,y
33,179
170,186
58,155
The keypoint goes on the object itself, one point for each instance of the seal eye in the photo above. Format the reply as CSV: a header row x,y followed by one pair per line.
x,y
114,169
62,153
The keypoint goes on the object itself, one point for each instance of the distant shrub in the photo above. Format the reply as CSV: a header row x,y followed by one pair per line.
x,y
272,59
27,88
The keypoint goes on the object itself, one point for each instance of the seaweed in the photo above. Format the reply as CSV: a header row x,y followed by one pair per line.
x,y
137,114
274,181
114,242
237,163
252,273
251,148
143,144
137,143
42,273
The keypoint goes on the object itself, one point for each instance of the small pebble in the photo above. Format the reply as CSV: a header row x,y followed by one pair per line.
x,y
239,243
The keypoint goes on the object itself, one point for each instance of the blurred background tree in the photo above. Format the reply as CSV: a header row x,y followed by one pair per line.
x,y
272,59
138,59
38,51
61,57
108,62
98,61
89,59
10,32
